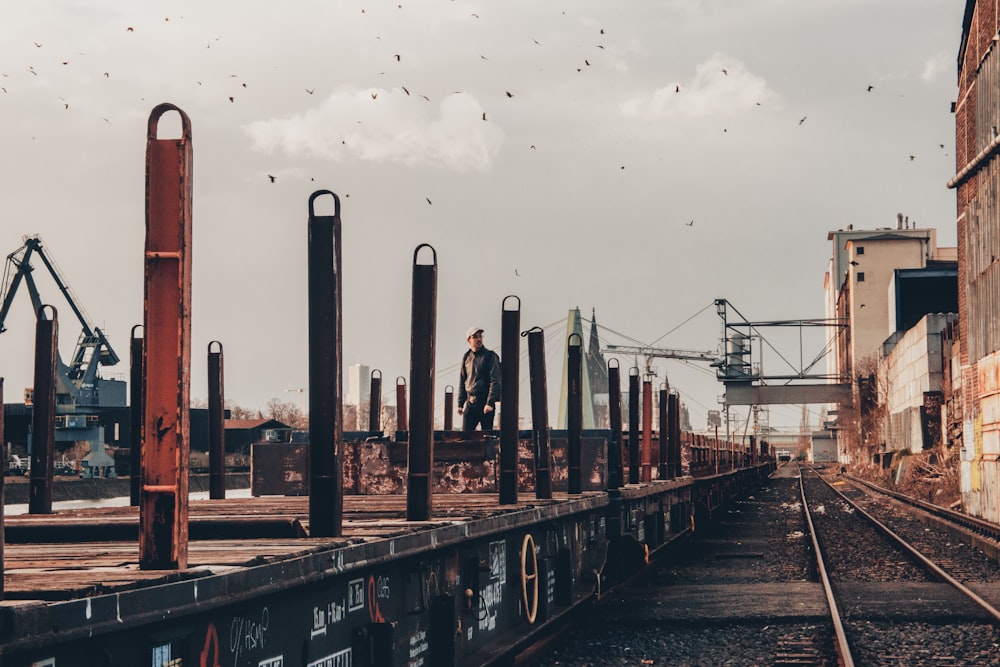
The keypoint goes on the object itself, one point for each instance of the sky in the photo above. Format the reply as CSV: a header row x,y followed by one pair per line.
x,y
636,159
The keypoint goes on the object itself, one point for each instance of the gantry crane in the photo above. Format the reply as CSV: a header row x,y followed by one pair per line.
x,y
713,358
79,378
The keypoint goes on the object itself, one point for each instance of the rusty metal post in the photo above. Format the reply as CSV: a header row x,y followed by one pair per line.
x,y
216,424
423,322
401,407
647,430
663,468
539,412
574,413
510,352
326,426
375,403
633,425
616,462
163,505
135,417
674,417
449,408
43,412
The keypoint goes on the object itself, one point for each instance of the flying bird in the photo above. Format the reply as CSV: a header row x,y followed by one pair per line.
x,y
803,119
273,178
912,158
475,15
405,90
428,199
310,91
231,98
587,62
689,224
532,147
870,88
37,45
129,29
510,94
396,57
724,72
374,95
484,115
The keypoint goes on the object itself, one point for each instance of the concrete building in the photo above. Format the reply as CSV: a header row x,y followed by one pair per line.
x,y
911,378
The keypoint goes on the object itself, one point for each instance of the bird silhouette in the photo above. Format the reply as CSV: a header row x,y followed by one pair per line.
x,y
689,224
677,88
310,91
912,158
396,57
510,94
870,88
405,90
273,178
428,199
484,115
724,72
803,119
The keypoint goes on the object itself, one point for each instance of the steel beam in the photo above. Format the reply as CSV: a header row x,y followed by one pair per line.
x,y
326,429
163,505
423,322
135,417
539,412
375,403
574,412
510,351
216,424
633,425
746,394
616,463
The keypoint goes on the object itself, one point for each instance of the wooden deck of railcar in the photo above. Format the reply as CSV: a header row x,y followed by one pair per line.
x,y
79,553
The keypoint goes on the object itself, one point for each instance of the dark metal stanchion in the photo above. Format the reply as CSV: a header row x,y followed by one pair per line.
x,y
663,469
135,417
401,406
216,424
510,352
326,427
616,463
674,417
43,412
375,403
449,408
633,425
539,412
574,413
423,322
647,430
166,363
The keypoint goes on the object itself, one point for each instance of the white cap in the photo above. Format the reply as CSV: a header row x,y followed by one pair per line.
x,y
472,331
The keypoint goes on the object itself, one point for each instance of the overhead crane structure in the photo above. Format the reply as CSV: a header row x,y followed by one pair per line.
x,y
741,369
78,379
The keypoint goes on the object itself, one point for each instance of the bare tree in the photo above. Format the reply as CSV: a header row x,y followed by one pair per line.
x,y
286,413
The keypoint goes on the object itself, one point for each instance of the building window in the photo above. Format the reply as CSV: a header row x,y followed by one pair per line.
x,y
861,250
861,276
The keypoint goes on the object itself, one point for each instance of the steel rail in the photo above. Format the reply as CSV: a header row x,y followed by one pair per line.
x,y
919,557
843,648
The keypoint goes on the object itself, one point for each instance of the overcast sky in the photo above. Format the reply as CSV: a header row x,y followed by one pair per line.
x,y
640,158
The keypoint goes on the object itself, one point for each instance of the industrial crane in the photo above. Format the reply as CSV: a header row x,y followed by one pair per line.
x,y
714,358
79,378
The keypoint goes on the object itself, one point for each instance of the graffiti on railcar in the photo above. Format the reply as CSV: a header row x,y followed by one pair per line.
x,y
248,634
419,647
491,597
378,589
338,659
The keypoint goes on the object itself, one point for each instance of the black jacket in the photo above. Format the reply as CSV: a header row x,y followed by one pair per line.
x,y
480,377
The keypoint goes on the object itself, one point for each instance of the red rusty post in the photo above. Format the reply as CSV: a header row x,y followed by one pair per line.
x,y
423,324
163,505
43,412
510,350
539,412
326,426
216,424
663,469
633,425
574,413
375,403
401,409
647,429
135,417
449,408
616,462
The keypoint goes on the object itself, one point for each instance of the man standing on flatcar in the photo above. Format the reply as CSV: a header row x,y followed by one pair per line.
x,y
479,385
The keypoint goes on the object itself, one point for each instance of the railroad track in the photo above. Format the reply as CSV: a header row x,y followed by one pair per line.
x,y
890,601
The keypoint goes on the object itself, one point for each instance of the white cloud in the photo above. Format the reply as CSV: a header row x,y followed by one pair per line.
x,y
935,66
386,126
720,86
